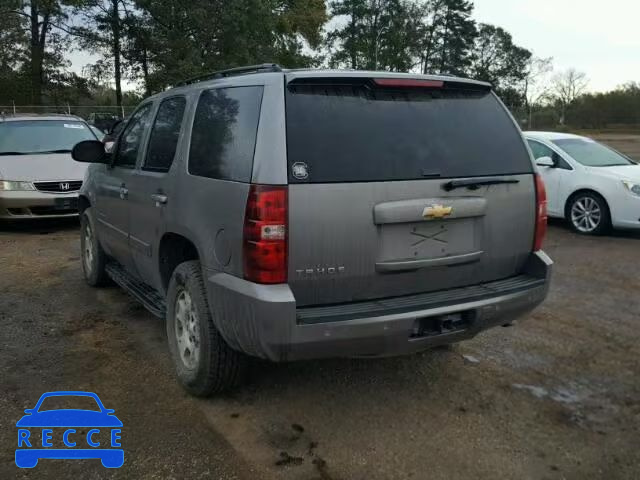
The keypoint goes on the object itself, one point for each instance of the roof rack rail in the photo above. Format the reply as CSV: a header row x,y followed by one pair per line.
x,y
230,72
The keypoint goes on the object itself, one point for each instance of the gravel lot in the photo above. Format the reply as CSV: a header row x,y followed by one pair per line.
x,y
557,396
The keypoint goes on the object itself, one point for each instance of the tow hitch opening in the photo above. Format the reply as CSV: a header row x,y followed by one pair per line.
x,y
441,324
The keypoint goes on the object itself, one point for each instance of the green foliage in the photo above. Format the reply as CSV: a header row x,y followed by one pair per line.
x,y
619,107
192,38
374,34
447,36
497,60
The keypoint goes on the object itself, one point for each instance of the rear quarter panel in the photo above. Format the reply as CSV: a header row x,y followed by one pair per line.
x,y
210,212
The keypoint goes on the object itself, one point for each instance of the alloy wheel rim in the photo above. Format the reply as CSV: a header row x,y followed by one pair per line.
x,y
187,330
88,249
586,214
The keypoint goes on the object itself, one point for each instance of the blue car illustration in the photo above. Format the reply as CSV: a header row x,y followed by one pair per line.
x,y
35,430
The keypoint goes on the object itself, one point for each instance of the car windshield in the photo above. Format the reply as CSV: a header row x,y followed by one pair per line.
x,y
42,136
66,402
591,153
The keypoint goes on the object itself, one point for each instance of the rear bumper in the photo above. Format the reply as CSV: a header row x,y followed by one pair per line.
x,y
20,205
262,320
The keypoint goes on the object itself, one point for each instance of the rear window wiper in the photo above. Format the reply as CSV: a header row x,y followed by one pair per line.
x,y
13,153
474,184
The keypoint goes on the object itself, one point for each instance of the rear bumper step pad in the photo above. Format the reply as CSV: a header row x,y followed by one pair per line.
x,y
424,301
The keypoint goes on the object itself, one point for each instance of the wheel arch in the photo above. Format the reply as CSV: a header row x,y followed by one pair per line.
x,y
174,249
83,203
578,192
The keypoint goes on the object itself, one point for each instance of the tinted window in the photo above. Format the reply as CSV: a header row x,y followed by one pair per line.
x,y
224,133
42,136
350,133
165,134
131,138
591,153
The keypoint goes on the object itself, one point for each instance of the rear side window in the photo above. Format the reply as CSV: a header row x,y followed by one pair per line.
x,y
359,133
165,134
223,137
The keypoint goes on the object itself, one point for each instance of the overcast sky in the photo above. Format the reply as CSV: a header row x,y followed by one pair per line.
x,y
598,37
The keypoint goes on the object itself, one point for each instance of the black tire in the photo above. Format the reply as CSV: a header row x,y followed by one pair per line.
x,y
603,220
215,367
93,266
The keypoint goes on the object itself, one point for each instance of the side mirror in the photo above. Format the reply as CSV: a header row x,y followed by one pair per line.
x,y
545,162
29,411
109,411
90,151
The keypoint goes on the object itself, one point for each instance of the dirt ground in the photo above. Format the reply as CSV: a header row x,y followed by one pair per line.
x,y
625,143
556,396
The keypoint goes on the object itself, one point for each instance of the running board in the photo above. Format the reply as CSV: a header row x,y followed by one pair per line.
x,y
149,297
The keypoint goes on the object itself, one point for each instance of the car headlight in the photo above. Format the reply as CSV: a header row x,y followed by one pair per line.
x,y
632,187
9,185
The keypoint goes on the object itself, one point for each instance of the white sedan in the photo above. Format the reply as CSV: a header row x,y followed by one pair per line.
x,y
589,184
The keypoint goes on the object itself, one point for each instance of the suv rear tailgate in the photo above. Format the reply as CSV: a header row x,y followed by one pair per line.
x,y
369,214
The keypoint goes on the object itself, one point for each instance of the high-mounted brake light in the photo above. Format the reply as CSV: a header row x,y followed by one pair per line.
x,y
408,83
265,234
541,214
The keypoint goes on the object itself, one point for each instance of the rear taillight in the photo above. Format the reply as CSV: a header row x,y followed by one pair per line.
x,y
265,234
541,214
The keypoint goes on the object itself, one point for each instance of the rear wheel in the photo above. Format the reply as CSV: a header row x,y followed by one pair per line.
x,y
588,214
204,363
94,259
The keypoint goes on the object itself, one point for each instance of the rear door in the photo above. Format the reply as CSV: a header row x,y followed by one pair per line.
x,y
379,201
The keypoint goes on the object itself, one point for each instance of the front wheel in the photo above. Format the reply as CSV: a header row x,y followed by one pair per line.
x,y
588,214
94,259
204,363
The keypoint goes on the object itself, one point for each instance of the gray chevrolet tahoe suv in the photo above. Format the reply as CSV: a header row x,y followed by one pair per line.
x,y
296,214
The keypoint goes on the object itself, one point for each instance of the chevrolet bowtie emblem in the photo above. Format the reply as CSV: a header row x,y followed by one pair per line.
x,y
436,211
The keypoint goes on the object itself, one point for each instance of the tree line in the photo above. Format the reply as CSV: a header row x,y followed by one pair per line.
x,y
156,43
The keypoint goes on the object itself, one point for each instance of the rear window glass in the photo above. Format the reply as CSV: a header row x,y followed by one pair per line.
x,y
223,137
354,133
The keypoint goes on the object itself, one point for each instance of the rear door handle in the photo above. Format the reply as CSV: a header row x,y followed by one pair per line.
x,y
159,198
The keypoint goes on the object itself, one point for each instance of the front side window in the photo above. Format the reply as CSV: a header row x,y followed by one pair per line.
x,y
164,135
224,133
591,153
539,150
131,138
28,137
